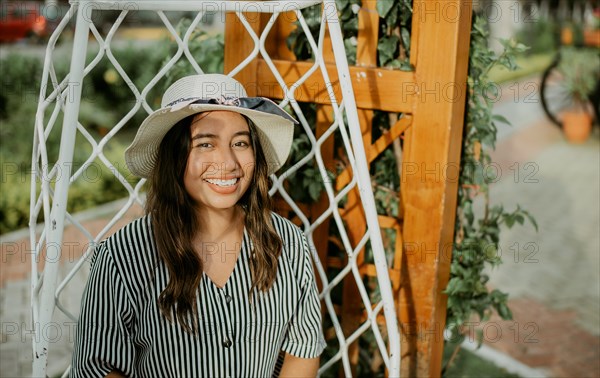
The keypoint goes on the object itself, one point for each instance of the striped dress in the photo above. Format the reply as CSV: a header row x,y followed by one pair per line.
x,y
121,326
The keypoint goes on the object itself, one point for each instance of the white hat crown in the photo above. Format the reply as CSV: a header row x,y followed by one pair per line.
x,y
203,86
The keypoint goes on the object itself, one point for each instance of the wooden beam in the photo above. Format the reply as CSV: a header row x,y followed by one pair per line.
x,y
371,271
376,148
368,34
238,46
432,143
372,87
283,27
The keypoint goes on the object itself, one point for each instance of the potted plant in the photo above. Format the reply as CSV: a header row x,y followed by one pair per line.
x,y
580,69
591,31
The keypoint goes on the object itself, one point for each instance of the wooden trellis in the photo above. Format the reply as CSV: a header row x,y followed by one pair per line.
x,y
64,96
431,99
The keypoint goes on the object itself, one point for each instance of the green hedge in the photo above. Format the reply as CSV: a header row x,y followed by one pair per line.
x,y
106,99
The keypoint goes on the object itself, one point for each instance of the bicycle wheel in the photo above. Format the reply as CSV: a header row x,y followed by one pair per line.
x,y
554,94
595,100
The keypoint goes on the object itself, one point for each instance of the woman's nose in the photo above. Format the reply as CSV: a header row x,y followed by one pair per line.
x,y
227,161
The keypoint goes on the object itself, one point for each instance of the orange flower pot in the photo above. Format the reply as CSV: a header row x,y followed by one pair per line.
x,y
577,126
566,36
591,37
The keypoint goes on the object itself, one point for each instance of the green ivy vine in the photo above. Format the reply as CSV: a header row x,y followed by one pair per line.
x,y
476,235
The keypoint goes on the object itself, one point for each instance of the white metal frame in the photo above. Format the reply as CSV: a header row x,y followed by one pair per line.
x,y
65,95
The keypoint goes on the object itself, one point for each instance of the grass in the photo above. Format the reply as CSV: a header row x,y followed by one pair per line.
x,y
467,365
528,65
96,185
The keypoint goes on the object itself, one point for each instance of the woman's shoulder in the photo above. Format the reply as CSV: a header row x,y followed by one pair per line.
x,y
133,236
295,243
131,248
286,229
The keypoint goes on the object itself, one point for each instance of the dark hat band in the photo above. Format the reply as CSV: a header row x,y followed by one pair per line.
x,y
261,104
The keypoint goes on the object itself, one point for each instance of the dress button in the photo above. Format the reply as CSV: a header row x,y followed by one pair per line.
x,y
228,298
226,343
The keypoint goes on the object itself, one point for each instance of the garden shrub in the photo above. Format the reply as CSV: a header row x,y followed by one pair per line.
x,y
103,103
106,99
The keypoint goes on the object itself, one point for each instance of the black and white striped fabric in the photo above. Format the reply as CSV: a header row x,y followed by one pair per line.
x,y
121,327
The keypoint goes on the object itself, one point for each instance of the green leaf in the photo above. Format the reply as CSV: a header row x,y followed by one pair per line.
x,y
405,34
531,219
406,66
468,212
452,285
392,17
384,6
519,218
499,118
314,190
395,64
350,51
504,311
387,49
521,48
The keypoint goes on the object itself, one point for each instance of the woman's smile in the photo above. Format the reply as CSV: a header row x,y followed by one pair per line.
x,y
223,186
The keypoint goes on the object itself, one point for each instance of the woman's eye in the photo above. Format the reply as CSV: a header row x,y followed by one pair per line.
x,y
204,145
241,144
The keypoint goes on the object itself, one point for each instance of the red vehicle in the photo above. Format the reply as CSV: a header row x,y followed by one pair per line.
x,y
22,19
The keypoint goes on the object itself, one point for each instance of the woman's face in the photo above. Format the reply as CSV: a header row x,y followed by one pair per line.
x,y
221,161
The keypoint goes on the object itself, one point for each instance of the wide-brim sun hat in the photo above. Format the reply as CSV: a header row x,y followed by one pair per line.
x,y
210,92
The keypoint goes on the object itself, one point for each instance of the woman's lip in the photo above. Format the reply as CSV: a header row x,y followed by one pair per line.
x,y
224,178
223,189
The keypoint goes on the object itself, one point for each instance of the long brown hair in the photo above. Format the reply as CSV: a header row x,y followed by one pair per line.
x,y
174,225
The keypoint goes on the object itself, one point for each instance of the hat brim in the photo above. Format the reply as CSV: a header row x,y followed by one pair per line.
x,y
275,134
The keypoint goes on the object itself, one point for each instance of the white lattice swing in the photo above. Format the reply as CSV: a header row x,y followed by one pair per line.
x,y
61,96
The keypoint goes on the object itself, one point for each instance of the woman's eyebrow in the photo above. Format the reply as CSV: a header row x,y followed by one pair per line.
x,y
215,136
200,136
246,133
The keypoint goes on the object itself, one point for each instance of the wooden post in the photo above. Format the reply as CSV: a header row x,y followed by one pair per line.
x,y
430,178
238,45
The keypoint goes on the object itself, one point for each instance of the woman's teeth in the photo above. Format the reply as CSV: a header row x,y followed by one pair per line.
x,y
222,182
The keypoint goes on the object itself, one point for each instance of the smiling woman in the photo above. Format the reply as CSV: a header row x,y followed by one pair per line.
x,y
210,282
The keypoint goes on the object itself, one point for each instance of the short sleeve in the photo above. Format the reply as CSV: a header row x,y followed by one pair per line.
x,y
102,341
304,336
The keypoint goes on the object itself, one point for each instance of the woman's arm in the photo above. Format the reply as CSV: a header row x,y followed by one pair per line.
x,y
299,367
103,345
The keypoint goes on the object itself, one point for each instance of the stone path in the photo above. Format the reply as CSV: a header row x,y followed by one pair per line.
x,y
552,276
15,311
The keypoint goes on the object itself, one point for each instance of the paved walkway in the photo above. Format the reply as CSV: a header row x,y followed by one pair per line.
x,y
553,277
15,311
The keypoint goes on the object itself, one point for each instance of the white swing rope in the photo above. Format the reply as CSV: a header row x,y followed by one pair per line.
x,y
66,96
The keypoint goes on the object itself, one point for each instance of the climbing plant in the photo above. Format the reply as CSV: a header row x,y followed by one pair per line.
x,y
477,233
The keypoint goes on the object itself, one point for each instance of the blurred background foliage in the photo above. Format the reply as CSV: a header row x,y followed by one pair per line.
x,y
106,99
